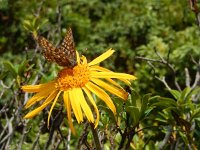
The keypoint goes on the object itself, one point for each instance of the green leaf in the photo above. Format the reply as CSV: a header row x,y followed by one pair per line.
x,y
165,102
10,68
184,94
22,67
135,99
153,99
134,113
3,74
145,101
184,137
196,114
175,93
27,25
44,21
192,92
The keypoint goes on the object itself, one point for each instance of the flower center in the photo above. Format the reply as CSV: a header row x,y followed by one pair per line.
x,y
73,78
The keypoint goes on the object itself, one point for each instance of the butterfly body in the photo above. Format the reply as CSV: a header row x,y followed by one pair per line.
x,y
63,55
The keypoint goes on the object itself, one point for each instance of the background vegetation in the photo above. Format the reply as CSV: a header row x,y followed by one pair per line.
x,y
158,41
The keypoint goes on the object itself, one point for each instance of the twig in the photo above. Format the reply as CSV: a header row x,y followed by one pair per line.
x,y
124,135
96,138
170,67
37,137
162,61
158,78
195,9
54,126
164,82
8,127
166,138
37,14
24,132
130,137
83,137
68,139
187,78
149,59
197,76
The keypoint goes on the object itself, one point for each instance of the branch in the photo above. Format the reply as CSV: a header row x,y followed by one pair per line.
x,y
187,78
197,76
195,9
162,61
167,136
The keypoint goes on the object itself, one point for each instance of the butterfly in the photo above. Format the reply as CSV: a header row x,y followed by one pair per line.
x,y
63,55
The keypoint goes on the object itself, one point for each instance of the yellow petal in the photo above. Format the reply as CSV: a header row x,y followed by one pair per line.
x,y
114,90
94,105
68,107
77,57
113,82
39,87
112,75
54,102
98,68
102,95
74,99
84,60
101,57
39,96
46,102
85,106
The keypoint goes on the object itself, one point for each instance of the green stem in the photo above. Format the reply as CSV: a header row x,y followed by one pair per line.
x,y
96,138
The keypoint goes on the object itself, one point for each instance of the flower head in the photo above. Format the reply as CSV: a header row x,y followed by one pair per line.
x,y
76,86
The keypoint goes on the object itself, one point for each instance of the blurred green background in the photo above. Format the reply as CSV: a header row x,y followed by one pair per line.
x,y
161,30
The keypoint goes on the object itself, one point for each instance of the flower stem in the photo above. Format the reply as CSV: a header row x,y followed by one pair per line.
x,y
96,138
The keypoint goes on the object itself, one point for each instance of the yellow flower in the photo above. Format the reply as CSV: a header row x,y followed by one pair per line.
x,y
77,85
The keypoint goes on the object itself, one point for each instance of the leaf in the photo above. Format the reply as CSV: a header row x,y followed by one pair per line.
x,y
10,68
44,21
184,94
165,102
108,112
134,113
22,67
3,74
175,93
184,137
192,92
196,114
153,99
27,25
145,101
147,112
135,99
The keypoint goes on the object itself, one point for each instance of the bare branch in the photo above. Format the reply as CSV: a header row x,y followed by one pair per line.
x,y
167,136
197,79
162,61
148,59
187,78
152,66
164,82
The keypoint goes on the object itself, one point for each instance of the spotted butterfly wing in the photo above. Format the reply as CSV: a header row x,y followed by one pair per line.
x,y
64,55
67,48
48,48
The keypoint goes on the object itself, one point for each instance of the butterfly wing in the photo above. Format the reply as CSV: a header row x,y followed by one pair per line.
x,y
64,55
66,52
48,48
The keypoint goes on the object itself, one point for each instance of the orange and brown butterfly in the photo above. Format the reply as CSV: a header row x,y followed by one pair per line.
x,y
63,55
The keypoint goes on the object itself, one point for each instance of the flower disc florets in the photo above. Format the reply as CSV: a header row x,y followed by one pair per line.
x,y
75,77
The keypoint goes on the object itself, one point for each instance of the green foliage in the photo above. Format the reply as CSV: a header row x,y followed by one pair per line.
x,y
180,112
162,31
